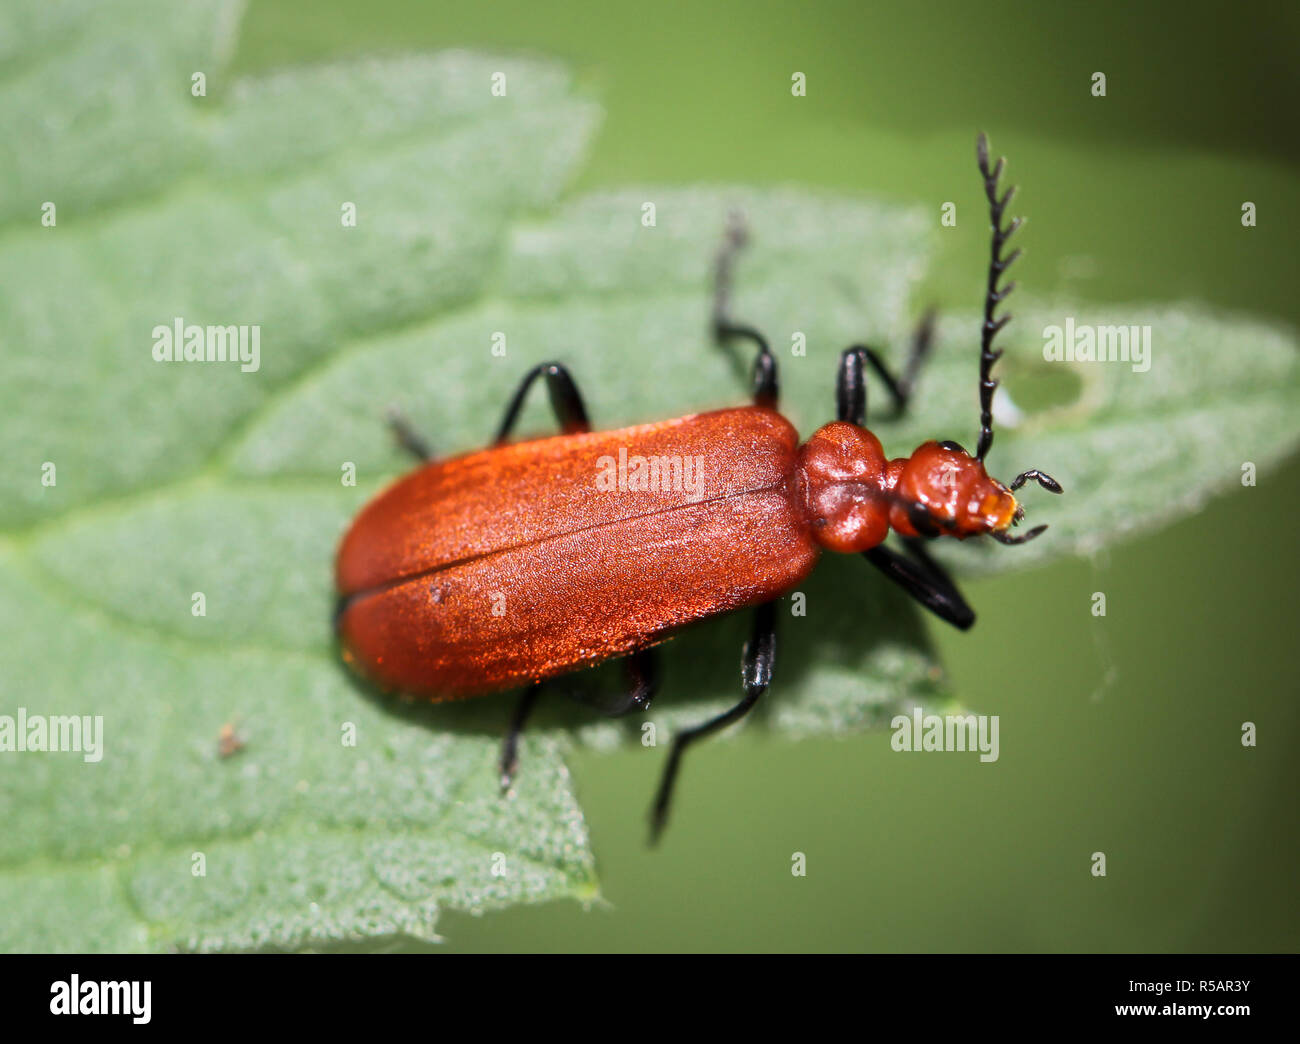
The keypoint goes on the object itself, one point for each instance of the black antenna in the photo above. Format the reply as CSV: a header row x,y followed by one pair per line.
x,y
993,295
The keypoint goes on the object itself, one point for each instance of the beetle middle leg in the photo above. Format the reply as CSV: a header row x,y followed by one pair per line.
x,y
851,387
643,682
642,669
755,674
766,386
566,401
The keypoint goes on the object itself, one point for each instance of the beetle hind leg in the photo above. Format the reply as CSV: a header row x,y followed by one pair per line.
x,y
766,388
407,437
643,679
756,674
566,400
510,745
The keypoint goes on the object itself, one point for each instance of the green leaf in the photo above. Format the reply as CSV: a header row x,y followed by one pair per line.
x,y
175,479
227,209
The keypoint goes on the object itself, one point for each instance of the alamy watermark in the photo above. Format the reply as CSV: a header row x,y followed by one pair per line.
x,y
650,474
1084,343
950,732
132,997
182,342
40,733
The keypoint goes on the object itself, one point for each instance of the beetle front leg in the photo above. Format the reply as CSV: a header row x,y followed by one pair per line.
x,y
565,401
925,580
755,674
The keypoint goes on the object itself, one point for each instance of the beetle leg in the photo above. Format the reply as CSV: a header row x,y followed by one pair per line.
x,y
565,401
766,386
925,580
641,667
756,675
850,388
407,437
510,746
643,676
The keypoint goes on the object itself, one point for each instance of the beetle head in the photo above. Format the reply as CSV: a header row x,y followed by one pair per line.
x,y
942,490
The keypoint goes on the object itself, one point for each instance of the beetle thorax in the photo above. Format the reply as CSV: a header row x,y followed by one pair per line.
x,y
842,481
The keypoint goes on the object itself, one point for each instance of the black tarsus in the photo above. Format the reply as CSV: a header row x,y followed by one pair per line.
x,y
565,401
922,342
765,382
994,294
756,674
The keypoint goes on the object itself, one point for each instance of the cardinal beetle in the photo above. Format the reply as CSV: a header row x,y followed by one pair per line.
x,y
504,567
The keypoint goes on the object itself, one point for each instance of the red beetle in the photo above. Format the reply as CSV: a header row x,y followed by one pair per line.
x,y
501,568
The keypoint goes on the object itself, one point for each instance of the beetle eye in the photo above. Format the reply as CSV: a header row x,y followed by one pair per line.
x,y
956,447
922,521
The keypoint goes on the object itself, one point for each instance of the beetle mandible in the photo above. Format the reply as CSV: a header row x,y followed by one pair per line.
x,y
508,566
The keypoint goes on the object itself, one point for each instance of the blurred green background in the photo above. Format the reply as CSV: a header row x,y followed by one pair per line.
x,y
1119,735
